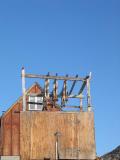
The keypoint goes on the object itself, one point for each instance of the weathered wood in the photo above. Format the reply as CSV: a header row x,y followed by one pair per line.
x,y
23,89
16,130
55,90
10,126
76,139
54,77
64,92
47,88
88,93
7,135
63,95
25,135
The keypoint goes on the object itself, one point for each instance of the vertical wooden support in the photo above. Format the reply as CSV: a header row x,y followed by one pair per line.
x,y
47,88
88,93
55,91
64,90
64,94
81,102
23,89
57,135
56,150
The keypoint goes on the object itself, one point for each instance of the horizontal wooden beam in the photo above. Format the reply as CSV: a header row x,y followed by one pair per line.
x,y
76,96
55,77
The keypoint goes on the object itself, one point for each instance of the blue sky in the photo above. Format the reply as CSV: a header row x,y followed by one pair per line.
x,y
65,37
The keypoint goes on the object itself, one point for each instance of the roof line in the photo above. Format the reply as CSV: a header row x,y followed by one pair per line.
x,y
20,98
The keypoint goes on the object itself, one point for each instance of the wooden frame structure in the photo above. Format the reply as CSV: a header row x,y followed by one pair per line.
x,y
64,94
51,133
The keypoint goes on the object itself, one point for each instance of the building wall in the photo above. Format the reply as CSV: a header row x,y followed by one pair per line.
x,y
76,135
10,127
32,134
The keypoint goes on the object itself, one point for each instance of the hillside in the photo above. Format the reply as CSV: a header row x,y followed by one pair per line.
x,y
113,155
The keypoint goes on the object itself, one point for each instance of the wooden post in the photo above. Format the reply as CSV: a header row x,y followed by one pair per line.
x,y
47,88
55,91
88,93
47,82
57,135
56,146
64,93
56,150
23,89
81,102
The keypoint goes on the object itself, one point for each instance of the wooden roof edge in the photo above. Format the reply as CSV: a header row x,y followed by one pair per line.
x,y
36,83
20,98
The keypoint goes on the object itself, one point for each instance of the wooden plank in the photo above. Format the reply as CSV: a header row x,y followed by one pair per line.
x,y
67,138
54,77
42,139
76,140
10,132
25,137
16,130
10,127
23,89
55,90
86,139
7,135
